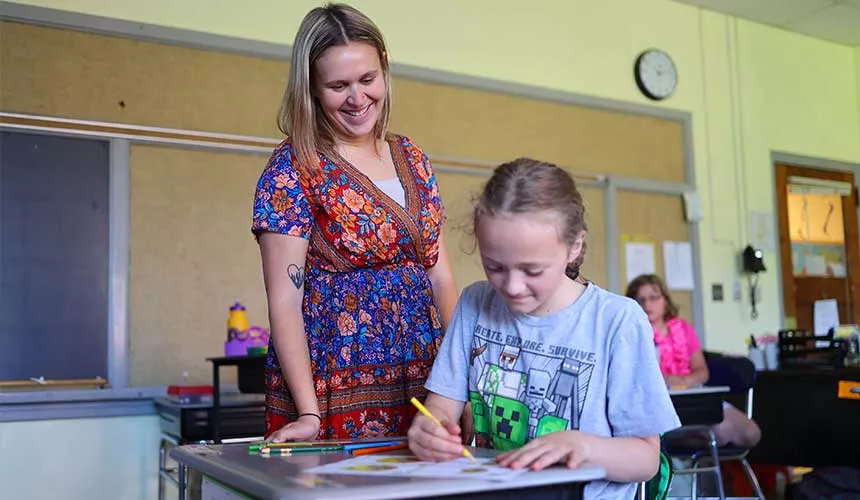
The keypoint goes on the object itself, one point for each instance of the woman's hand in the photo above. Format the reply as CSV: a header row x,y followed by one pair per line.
x,y
571,448
428,441
305,428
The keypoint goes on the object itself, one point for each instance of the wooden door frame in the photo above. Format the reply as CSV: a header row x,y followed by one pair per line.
x,y
830,169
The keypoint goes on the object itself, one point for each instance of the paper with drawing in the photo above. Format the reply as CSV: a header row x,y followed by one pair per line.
x,y
408,465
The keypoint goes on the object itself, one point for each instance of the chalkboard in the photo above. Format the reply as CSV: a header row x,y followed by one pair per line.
x,y
53,257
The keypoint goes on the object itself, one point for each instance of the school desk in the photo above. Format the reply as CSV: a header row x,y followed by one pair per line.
x,y
808,417
250,378
230,471
242,417
699,405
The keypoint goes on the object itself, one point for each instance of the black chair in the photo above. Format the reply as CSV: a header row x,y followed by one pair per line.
x,y
738,373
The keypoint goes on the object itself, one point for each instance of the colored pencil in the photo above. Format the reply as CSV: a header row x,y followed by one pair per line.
x,y
310,449
429,415
378,449
277,452
303,449
372,444
259,445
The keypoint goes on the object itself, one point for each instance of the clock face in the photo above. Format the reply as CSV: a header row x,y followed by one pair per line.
x,y
655,74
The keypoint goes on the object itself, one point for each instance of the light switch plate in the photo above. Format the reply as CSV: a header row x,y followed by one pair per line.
x,y
717,292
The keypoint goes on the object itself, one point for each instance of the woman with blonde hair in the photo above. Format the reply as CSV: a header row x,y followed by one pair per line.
x,y
349,222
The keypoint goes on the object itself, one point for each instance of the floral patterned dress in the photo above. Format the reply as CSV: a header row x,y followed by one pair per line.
x,y
372,327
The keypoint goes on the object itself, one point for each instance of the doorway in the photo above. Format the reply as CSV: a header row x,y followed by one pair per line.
x,y
818,237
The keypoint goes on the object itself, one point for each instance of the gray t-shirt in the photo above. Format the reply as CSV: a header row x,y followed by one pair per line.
x,y
589,367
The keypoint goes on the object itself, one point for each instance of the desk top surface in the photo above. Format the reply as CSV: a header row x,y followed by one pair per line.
x,y
280,478
237,360
692,391
227,400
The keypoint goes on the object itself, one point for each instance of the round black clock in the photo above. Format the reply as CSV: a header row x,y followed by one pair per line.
x,y
655,74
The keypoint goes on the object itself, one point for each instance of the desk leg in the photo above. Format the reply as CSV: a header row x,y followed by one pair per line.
x,y
715,456
183,480
216,403
164,473
162,464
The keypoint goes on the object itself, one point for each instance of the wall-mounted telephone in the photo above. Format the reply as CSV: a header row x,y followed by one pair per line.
x,y
753,264
753,260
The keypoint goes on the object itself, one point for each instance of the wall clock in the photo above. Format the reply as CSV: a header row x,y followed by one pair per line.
x,y
656,75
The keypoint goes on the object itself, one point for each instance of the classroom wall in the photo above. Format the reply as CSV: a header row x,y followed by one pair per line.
x,y
857,77
750,89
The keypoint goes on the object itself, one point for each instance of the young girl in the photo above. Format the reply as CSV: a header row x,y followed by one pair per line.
x,y
537,351
681,359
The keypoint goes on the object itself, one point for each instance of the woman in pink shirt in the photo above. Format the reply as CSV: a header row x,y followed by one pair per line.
x,y
681,359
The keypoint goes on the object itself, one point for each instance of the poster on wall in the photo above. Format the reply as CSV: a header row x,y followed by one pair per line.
x,y
762,234
818,260
817,234
678,265
639,259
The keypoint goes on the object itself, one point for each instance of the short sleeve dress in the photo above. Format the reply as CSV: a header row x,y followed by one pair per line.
x,y
372,326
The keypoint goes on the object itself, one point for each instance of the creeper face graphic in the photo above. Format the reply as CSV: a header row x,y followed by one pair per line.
x,y
509,421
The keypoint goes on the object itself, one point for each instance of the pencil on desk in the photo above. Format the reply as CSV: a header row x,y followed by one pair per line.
x,y
314,449
275,452
303,449
379,449
255,447
424,411
372,444
259,446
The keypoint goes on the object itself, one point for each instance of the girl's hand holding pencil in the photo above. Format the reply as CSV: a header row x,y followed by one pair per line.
x,y
431,439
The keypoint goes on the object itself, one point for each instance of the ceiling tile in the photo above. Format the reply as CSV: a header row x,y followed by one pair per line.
x,y
774,12
839,23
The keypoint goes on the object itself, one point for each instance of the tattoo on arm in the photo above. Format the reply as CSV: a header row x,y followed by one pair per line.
x,y
297,275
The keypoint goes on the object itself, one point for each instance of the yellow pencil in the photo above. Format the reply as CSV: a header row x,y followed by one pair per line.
x,y
429,415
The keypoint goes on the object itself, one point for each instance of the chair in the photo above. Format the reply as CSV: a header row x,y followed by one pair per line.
x,y
657,488
737,373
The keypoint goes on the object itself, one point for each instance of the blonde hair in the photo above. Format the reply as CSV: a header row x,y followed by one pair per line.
x,y
300,115
525,185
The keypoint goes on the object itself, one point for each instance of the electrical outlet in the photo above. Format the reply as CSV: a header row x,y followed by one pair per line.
x,y
737,293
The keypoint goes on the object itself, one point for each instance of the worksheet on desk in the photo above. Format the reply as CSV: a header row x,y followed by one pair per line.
x,y
408,465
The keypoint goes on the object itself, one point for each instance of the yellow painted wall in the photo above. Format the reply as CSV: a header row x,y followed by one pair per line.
x,y
857,77
750,89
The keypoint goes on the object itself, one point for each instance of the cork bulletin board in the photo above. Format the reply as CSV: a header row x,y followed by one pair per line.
x,y
192,254
655,218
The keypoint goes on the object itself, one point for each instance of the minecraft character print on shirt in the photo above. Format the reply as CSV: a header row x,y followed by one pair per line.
x,y
520,390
